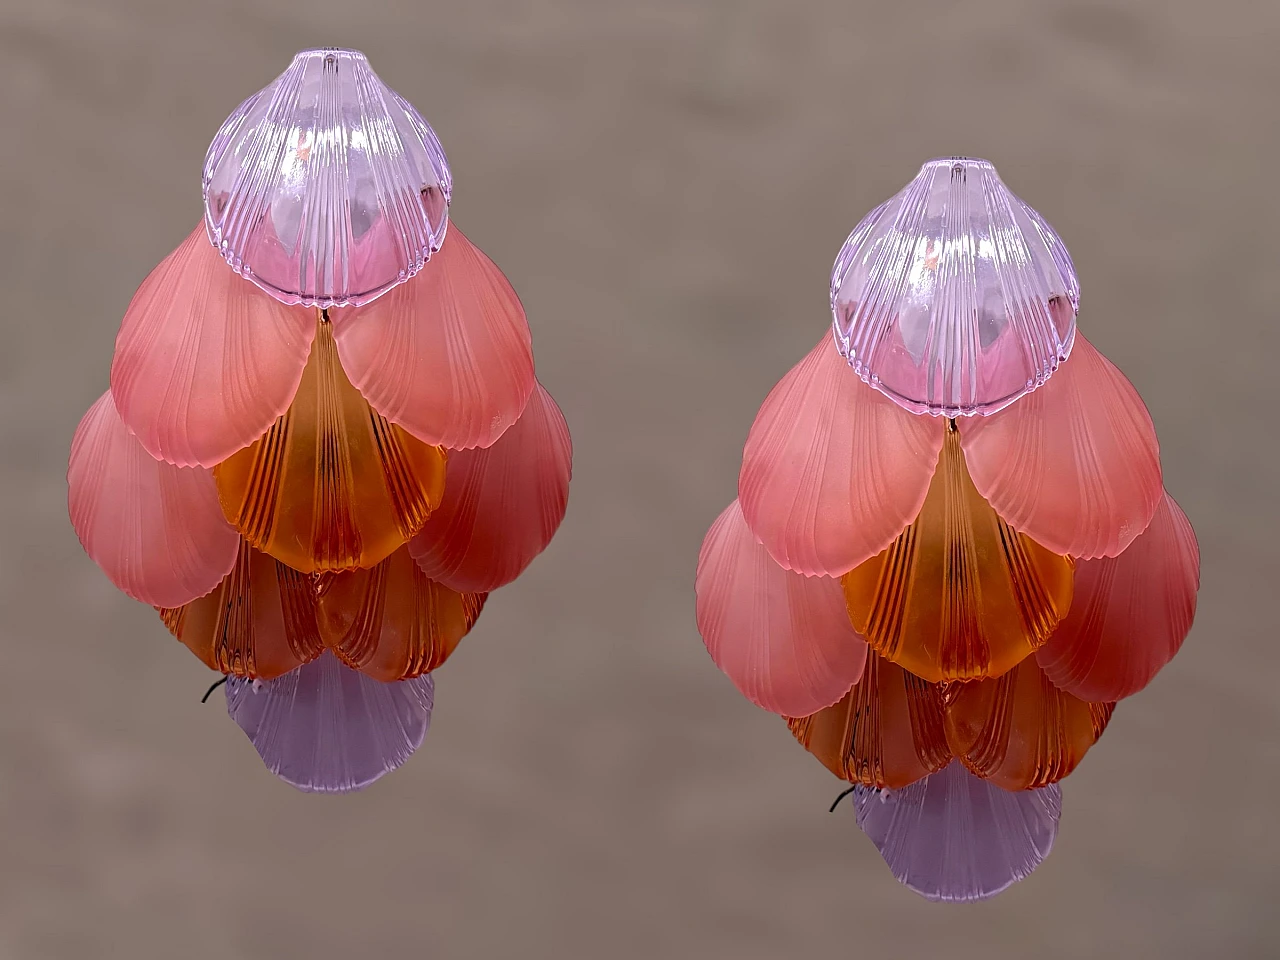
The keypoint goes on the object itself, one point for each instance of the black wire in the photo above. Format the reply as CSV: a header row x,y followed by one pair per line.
x,y
843,794
216,685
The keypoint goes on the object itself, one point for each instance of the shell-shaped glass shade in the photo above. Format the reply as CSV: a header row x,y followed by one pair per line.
x,y
954,297
326,187
952,836
325,728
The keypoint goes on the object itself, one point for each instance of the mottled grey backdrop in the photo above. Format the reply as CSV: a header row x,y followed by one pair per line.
x,y
666,183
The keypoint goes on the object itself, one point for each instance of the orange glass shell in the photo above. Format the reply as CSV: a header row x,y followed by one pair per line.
x,y
888,731
959,595
259,622
332,485
1019,730
392,622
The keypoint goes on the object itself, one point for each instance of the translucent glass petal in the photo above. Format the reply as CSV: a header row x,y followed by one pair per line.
x,y
448,356
1130,613
832,471
502,504
954,297
886,732
782,638
392,622
154,529
955,837
260,622
1019,730
958,595
325,728
326,188
204,362
331,485
1076,465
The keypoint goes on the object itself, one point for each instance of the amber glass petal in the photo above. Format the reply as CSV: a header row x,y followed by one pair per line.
x,y
887,731
391,622
1020,731
260,622
959,595
331,485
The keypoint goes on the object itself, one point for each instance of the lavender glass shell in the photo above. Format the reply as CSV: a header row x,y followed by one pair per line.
x,y
325,728
954,836
954,297
326,187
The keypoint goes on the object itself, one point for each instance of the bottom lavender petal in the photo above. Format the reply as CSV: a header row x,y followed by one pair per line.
x,y
954,836
325,728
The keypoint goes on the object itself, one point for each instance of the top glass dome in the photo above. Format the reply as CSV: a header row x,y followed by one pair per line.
x,y
326,187
954,297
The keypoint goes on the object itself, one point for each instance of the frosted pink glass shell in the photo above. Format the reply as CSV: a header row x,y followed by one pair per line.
x,y
833,471
156,530
502,504
1075,465
205,362
1129,614
447,355
784,639
326,187
954,297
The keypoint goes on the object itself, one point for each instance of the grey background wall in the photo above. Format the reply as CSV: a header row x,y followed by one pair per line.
x,y
666,183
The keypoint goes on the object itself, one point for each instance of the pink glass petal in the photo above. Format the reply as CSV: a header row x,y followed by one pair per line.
x,y
325,728
955,837
448,355
954,297
502,504
204,362
156,530
833,471
1130,613
783,639
326,188
1075,465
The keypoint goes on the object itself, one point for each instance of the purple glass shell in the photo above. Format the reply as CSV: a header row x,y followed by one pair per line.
x,y
954,297
326,187
954,836
325,728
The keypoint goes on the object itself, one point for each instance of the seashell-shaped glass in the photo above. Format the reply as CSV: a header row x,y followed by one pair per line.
x,y
955,837
325,728
326,188
954,297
